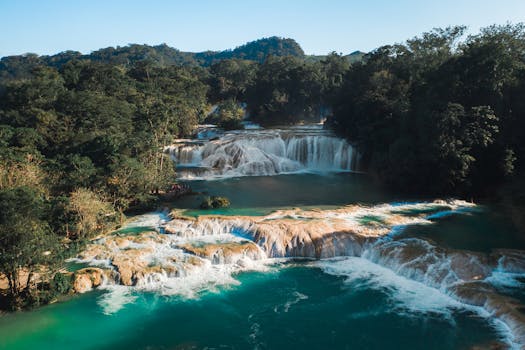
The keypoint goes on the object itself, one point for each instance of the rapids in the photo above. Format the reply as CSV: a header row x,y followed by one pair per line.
x,y
384,244
208,251
310,255
256,152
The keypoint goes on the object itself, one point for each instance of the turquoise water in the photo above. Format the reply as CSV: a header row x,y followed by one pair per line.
x,y
292,307
480,230
259,195
340,304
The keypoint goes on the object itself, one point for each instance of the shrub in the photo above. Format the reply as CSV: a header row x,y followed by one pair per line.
x,y
214,202
62,283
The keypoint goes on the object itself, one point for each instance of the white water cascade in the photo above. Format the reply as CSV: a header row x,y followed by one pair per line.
x,y
264,152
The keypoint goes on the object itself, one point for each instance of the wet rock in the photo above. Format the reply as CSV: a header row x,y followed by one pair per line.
x,y
509,311
129,262
510,260
309,233
88,278
473,293
469,265
225,253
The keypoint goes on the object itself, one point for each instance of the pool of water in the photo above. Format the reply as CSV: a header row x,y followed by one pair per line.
x,y
348,303
482,230
296,306
259,195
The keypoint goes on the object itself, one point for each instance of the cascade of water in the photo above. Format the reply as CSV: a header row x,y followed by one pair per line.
x,y
210,249
266,152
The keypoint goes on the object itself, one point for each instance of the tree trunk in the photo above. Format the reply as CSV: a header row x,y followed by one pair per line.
x,y
121,216
14,291
29,278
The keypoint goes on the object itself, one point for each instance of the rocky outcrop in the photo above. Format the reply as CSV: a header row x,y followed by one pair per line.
x,y
190,242
194,249
88,278
315,238
129,262
511,260
225,253
311,233
137,260
507,309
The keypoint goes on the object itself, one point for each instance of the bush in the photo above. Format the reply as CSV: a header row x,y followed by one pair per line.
x,y
214,202
62,283
227,116
230,124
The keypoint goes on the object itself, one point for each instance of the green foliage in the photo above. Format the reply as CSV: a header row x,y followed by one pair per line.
x,y
286,90
26,241
437,114
90,214
231,78
62,283
258,50
21,67
228,115
214,202
72,134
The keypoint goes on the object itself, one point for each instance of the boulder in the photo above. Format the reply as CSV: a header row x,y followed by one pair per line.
x,y
225,253
86,279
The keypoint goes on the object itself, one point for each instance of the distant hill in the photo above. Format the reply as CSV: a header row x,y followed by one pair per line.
x,y
355,56
163,55
257,50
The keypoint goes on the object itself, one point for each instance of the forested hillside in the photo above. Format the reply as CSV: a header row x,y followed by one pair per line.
x,y
81,136
160,55
440,113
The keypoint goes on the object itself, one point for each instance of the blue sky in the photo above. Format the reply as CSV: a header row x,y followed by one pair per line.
x,y
322,26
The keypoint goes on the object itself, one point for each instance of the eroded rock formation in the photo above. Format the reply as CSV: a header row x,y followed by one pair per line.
x,y
211,243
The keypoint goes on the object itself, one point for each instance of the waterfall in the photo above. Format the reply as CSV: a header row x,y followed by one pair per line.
x,y
357,242
264,153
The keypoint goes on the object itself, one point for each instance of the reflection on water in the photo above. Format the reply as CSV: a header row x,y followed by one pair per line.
x,y
260,195
482,230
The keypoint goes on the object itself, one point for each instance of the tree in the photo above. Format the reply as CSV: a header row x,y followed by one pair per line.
x,y
26,241
91,212
230,79
333,67
228,115
286,90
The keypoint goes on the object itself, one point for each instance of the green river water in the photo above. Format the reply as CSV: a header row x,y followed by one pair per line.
x,y
346,303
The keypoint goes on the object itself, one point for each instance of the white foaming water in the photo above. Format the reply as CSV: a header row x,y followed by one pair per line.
x,y
505,279
115,298
173,271
407,295
297,297
415,259
207,131
417,276
265,152
150,220
205,278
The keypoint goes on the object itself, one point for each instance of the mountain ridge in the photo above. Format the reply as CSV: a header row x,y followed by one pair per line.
x,y
164,55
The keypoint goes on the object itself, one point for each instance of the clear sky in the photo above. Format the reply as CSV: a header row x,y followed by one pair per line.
x,y
321,26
